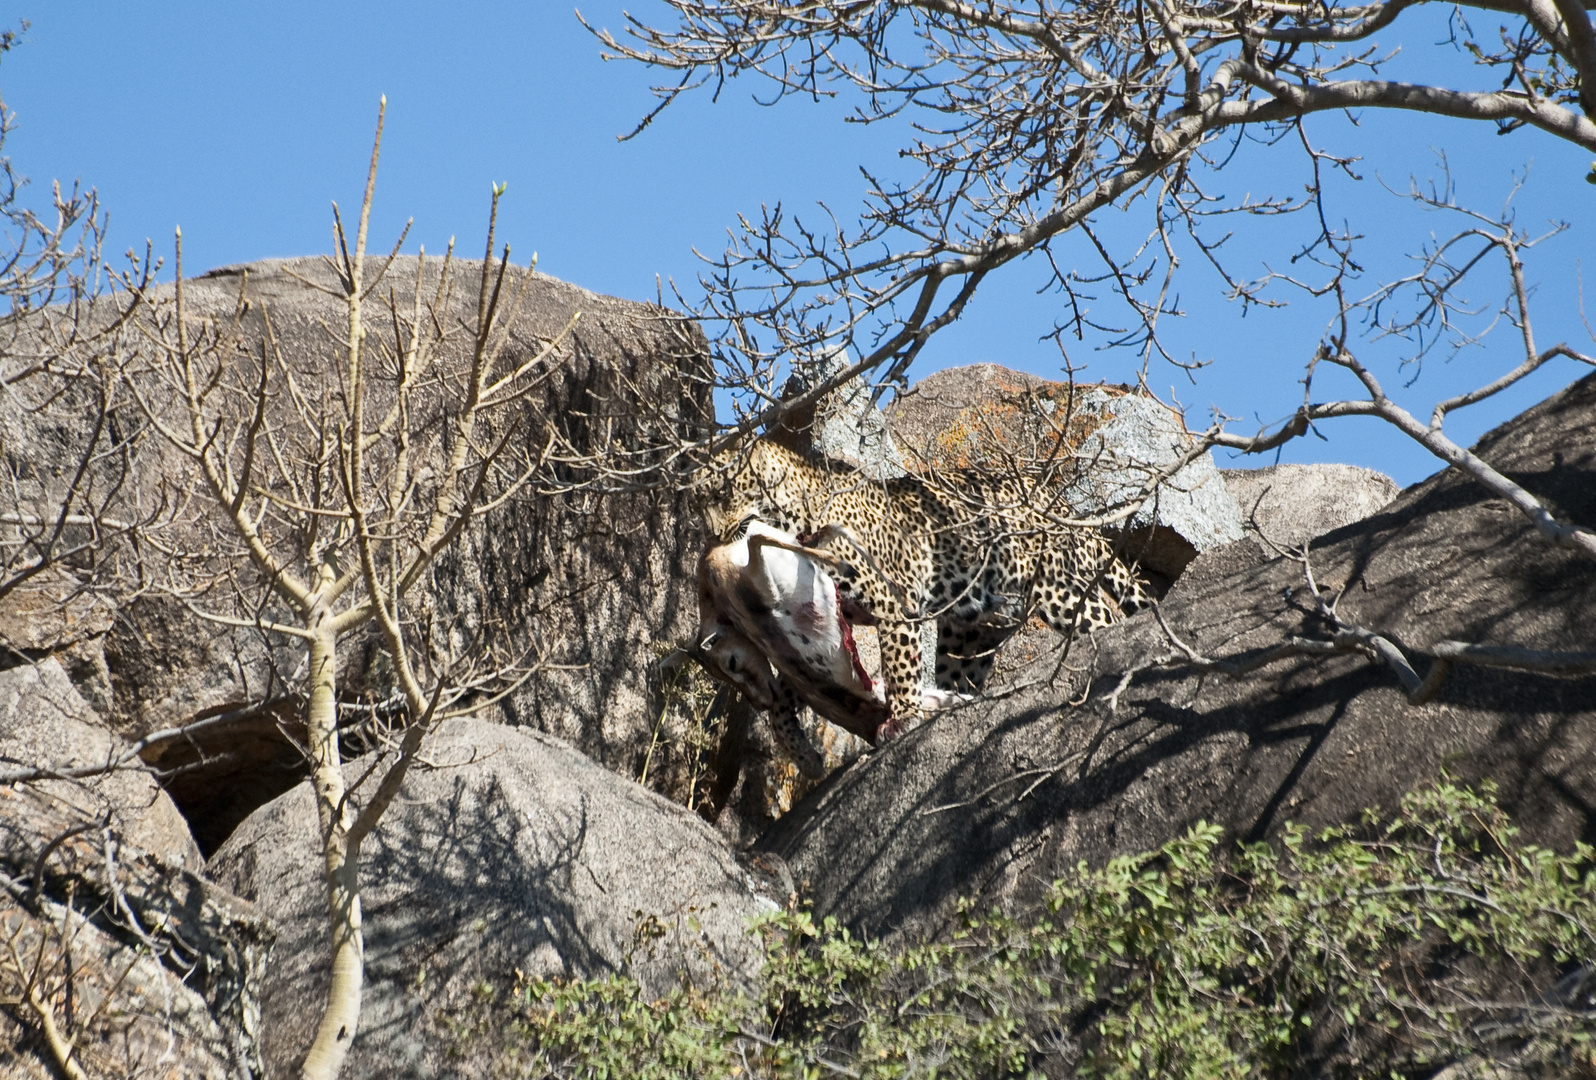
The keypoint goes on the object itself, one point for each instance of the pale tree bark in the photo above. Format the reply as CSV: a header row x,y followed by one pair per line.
x,y
341,1019
339,510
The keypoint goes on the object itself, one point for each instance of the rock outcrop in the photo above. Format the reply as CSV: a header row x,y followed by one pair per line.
x,y
508,855
1009,792
98,889
1290,504
157,969
44,721
960,416
55,618
520,847
586,589
1133,439
1104,441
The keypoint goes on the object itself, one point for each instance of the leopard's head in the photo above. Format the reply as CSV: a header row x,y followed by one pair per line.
x,y
738,484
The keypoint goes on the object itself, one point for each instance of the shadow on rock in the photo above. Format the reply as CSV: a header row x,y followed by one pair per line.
x,y
510,857
1118,743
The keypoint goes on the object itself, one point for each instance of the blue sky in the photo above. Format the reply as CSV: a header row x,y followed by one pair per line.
x,y
242,121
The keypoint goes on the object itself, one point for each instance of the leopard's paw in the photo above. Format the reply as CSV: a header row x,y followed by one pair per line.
x,y
932,700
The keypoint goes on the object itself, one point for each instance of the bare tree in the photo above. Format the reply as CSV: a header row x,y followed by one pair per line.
x,y
325,488
67,486
56,523
72,510
1440,309
1031,117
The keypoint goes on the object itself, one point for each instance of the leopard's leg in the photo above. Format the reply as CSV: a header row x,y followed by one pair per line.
x,y
789,732
1069,591
965,651
900,662
1128,588
981,608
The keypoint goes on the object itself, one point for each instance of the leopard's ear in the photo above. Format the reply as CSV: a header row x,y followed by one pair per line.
x,y
716,516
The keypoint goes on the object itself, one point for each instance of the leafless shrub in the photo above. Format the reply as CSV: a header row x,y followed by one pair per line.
x,y
69,495
312,495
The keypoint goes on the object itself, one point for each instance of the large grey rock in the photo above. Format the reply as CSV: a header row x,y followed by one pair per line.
x,y
582,588
150,969
45,723
1001,796
508,852
1137,438
1105,442
143,1020
951,417
1291,504
590,582
84,859
52,615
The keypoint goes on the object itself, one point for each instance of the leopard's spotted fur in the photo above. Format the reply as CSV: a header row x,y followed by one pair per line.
x,y
972,551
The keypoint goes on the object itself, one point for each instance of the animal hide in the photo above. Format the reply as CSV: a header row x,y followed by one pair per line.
x,y
767,601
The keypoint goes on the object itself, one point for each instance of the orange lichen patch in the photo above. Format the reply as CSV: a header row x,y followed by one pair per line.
x,y
783,786
1013,424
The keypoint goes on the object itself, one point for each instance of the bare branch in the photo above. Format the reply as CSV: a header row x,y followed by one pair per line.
x,y
1031,118
1517,658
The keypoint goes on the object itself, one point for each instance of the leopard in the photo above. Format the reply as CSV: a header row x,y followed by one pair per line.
x,y
976,553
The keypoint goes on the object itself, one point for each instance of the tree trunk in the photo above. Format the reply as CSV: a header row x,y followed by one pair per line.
x,y
342,1017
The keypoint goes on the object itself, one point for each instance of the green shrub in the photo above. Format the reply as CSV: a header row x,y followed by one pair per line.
x,y
1387,948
